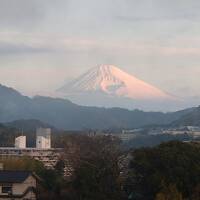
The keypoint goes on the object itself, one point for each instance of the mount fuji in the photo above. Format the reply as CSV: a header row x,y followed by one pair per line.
x,y
109,86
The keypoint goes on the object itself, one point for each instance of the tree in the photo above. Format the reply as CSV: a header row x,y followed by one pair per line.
x,y
95,164
174,163
169,193
196,193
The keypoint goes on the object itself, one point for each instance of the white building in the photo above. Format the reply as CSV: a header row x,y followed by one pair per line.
x,y
20,142
124,137
43,138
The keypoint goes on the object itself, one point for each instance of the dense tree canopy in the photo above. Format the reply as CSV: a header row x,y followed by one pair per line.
x,y
96,170
173,166
170,171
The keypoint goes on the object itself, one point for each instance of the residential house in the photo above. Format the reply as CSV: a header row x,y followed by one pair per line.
x,y
16,185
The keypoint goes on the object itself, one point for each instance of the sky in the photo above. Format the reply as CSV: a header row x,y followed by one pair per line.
x,y
45,43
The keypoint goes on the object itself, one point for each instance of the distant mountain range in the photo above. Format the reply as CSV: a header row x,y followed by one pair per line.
x,y
64,114
190,119
28,125
107,85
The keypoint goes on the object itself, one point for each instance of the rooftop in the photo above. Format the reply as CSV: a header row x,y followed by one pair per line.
x,y
14,176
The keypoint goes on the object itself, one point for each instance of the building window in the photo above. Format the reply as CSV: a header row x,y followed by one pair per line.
x,y
6,189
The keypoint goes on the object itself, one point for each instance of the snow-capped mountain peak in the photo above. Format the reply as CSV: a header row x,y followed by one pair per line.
x,y
102,78
111,80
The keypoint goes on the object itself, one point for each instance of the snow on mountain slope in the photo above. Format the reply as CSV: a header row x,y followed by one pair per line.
x,y
111,80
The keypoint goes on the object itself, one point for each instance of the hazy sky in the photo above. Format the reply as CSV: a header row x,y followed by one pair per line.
x,y
43,43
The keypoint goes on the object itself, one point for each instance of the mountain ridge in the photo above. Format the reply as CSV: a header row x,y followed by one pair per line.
x,y
63,114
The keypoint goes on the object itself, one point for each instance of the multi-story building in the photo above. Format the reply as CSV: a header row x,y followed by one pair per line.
x,y
43,138
43,151
49,157
20,142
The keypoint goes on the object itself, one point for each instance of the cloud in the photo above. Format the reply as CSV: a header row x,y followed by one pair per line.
x,y
10,48
156,10
28,15
154,39
18,14
129,18
17,43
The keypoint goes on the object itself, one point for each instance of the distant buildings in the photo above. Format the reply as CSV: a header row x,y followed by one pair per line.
x,y
124,136
193,128
20,142
132,131
49,157
43,138
18,185
43,151
192,131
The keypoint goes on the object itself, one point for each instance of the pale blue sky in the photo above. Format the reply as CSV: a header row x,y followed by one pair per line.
x,y
45,42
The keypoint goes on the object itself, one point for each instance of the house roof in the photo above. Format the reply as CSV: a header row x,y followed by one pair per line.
x,y
14,176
